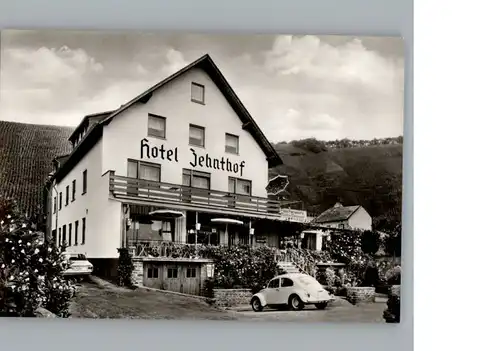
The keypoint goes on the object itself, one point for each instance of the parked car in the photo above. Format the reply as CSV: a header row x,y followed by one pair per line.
x,y
293,290
77,265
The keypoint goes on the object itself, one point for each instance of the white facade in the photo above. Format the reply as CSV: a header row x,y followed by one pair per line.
x,y
122,137
121,141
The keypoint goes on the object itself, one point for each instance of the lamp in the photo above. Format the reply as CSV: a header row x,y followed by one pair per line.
x,y
252,231
198,226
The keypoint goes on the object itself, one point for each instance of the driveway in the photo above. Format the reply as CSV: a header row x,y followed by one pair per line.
x,y
105,300
339,311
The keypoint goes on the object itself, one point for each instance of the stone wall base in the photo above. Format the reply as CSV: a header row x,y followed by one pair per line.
x,y
357,295
138,273
232,297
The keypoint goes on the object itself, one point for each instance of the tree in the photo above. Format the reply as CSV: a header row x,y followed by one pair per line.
x,y
370,242
393,243
30,267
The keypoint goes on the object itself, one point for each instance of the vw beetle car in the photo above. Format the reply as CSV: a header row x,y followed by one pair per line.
x,y
294,290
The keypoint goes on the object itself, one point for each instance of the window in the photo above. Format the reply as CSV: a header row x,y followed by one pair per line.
x,y
191,273
153,272
157,126
76,233
60,201
67,195
232,144
196,135
73,190
84,182
84,224
64,235
274,284
69,234
55,204
60,238
286,282
195,179
198,93
143,170
172,273
240,186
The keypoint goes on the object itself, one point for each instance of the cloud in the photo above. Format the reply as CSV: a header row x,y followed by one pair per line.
x,y
61,85
294,87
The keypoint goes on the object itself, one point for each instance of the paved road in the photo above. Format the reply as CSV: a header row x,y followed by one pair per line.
x,y
108,301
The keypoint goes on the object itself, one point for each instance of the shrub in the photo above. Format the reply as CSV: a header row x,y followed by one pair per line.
x,y
125,268
242,266
392,313
208,288
393,276
370,276
370,242
30,268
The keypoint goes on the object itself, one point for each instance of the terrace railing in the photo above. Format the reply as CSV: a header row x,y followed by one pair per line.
x,y
160,248
125,187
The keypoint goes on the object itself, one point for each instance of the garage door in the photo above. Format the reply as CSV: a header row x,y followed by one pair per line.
x,y
182,278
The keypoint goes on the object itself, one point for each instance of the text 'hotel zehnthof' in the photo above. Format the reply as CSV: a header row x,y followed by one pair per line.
x,y
184,162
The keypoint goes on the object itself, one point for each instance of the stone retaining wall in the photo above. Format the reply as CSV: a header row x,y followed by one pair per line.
x,y
232,297
356,295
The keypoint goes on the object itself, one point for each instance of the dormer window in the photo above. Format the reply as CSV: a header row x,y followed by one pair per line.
x,y
198,93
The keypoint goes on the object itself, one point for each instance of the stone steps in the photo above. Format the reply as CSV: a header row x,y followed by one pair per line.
x,y
288,267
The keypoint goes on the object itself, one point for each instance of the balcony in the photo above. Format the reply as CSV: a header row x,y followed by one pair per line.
x,y
191,198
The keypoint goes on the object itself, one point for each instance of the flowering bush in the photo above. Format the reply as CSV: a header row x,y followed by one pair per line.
x,y
241,266
30,268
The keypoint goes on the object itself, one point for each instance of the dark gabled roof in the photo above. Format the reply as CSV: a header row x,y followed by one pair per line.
x,y
336,214
26,155
207,64
85,122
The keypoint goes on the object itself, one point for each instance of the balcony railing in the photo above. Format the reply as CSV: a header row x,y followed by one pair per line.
x,y
124,187
159,248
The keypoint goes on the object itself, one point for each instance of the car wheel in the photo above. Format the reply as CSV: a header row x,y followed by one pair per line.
x,y
295,303
321,306
256,304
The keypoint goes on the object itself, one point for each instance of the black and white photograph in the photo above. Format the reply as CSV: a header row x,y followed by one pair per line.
x,y
201,176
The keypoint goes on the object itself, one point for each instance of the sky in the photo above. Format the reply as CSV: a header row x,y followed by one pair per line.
x,y
295,87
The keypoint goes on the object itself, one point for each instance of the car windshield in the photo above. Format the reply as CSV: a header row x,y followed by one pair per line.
x,y
309,282
76,257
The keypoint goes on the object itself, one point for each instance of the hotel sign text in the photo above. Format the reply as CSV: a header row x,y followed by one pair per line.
x,y
294,215
206,161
